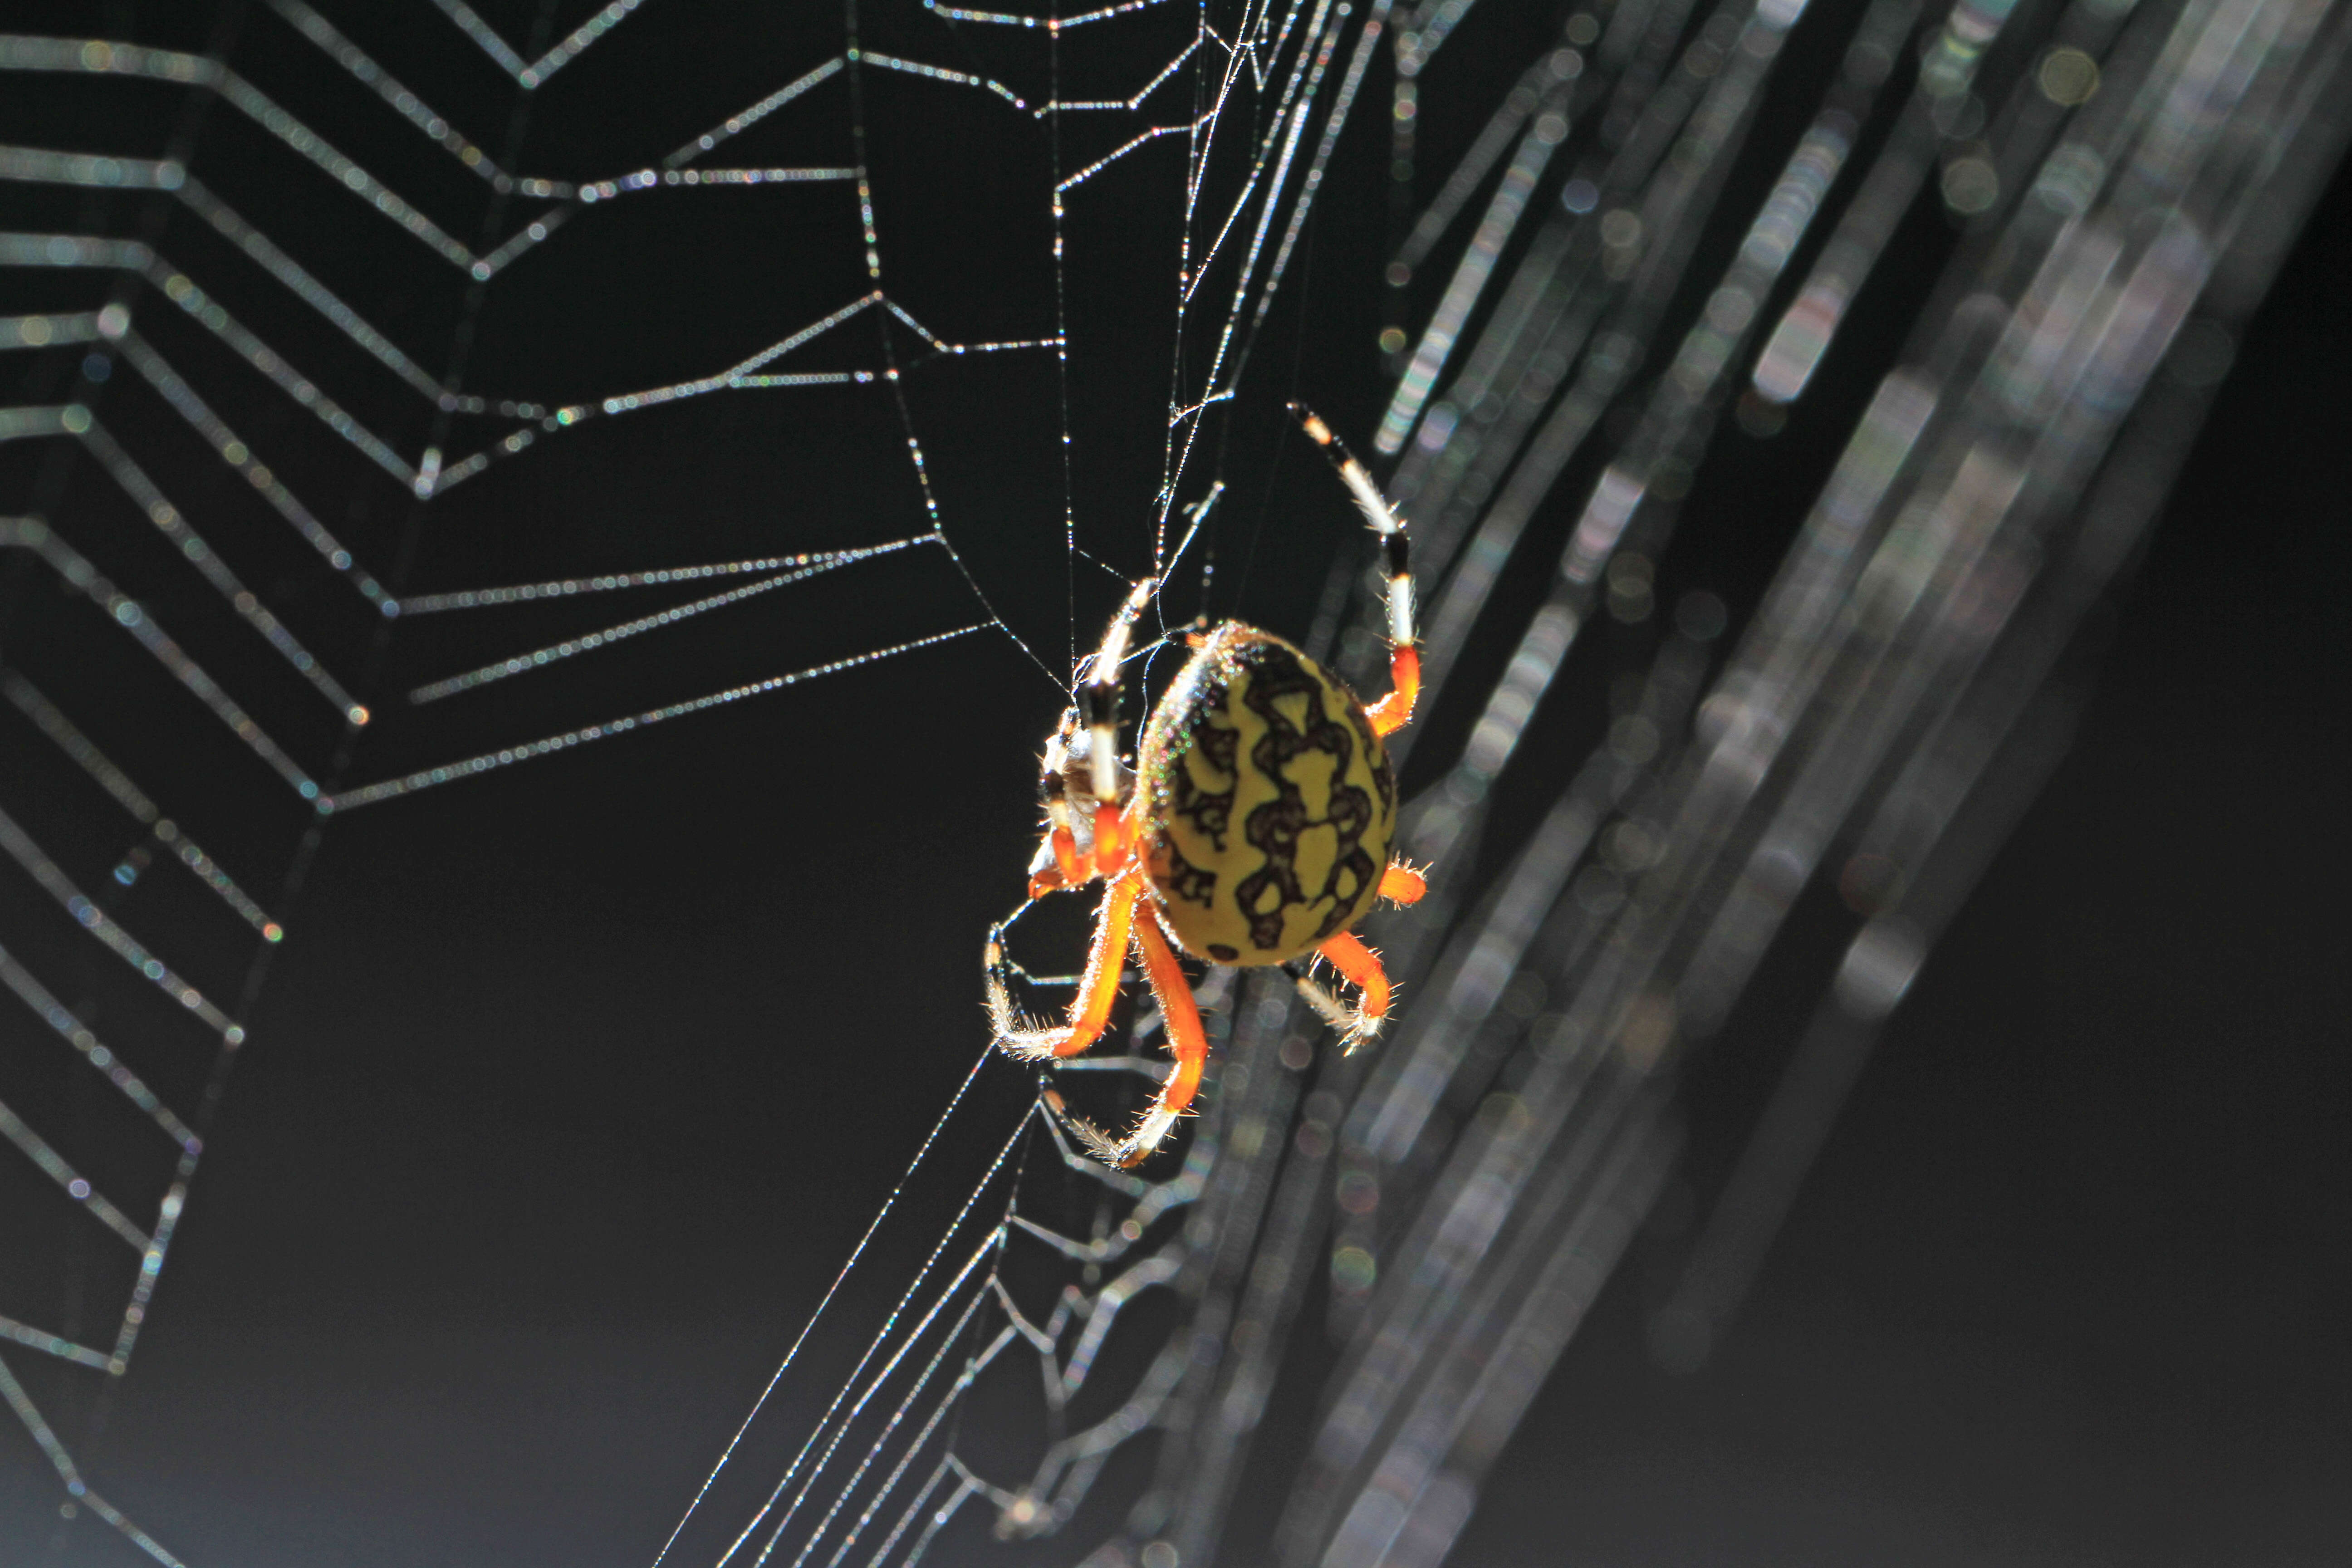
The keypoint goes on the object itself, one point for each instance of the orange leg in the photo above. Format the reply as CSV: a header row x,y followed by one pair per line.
x,y
1394,711
1110,838
1362,967
1186,1042
1067,870
1401,884
1098,988
1065,858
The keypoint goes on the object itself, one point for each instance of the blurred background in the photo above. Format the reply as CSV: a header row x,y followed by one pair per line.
x,y
1988,1202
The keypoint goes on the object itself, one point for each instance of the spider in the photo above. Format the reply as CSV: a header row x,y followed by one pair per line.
x,y
1255,828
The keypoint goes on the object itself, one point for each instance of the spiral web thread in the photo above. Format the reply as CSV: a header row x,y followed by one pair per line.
x,y
2128,178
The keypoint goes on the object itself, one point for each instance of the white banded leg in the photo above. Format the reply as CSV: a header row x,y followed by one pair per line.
x,y
1392,712
1098,714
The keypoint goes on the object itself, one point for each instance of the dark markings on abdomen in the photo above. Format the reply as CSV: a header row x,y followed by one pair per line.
x,y
1273,828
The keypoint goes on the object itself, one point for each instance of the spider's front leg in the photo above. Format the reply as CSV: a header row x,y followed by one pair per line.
x,y
1022,1037
1098,709
1057,863
1084,789
1187,1042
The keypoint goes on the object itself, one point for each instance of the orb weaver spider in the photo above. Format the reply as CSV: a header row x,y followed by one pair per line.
x,y
1255,828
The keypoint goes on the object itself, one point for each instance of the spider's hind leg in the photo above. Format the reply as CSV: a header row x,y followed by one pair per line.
x,y
1401,884
1394,711
1361,968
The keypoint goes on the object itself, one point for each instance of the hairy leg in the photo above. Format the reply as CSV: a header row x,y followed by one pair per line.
x,y
1098,989
1401,884
1187,1042
1362,966
1394,711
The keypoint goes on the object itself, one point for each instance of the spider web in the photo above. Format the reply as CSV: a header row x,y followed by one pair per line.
x,y
182,205
1078,1363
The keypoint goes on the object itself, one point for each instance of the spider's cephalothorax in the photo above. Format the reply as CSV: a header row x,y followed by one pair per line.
x,y
1256,825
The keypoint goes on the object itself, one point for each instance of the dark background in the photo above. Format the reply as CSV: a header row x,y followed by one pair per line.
x,y
573,1083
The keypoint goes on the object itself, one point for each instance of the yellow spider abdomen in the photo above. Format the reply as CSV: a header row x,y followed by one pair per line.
x,y
1269,805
